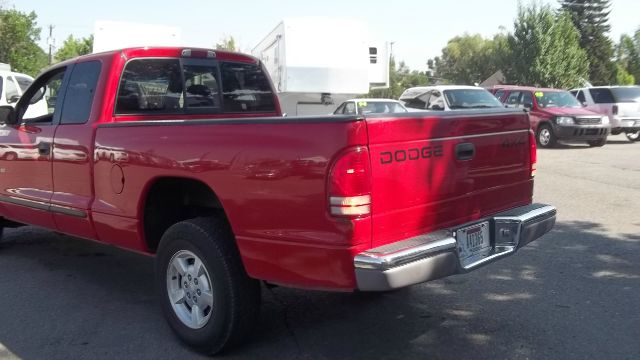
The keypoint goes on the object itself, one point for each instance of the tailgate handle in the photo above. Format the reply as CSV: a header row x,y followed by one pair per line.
x,y
465,151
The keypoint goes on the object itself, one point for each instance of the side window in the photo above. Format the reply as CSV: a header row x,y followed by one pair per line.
x,y
339,110
602,96
499,94
581,97
23,82
11,93
527,100
245,88
513,99
201,86
350,108
150,86
76,107
435,101
42,99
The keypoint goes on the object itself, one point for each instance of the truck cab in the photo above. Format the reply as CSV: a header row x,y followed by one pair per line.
x,y
555,115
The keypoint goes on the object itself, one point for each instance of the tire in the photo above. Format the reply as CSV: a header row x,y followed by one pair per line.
x,y
10,156
545,137
633,136
227,300
597,143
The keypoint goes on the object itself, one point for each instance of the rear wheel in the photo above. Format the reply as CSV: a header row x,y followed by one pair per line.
x,y
597,143
546,137
633,136
207,297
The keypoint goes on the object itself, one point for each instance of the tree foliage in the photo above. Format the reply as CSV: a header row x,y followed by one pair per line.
x,y
227,43
591,18
73,47
19,35
469,59
545,48
628,58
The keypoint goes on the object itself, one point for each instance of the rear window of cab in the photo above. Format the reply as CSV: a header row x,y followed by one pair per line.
x,y
156,86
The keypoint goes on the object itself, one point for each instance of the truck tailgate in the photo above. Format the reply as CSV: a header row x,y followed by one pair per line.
x,y
436,170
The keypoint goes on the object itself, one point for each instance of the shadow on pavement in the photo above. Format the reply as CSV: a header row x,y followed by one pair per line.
x,y
569,295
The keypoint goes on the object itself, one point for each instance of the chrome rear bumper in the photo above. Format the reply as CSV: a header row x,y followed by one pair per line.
x,y
435,255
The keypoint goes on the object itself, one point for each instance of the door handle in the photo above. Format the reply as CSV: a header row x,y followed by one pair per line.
x,y
44,148
465,151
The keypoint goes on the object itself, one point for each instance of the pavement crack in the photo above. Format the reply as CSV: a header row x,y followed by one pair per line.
x,y
285,319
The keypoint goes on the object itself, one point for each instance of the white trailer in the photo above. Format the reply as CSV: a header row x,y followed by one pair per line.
x,y
317,63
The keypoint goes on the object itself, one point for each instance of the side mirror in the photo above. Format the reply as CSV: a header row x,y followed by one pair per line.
x,y
584,104
7,115
13,99
528,106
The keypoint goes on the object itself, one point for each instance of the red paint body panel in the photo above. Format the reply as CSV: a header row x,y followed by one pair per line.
x,y
270,174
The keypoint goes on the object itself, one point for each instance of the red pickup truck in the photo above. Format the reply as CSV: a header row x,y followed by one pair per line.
x,y
183,154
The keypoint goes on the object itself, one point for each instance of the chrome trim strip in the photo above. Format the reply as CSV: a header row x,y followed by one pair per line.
x,y
68,211
43,206
24,202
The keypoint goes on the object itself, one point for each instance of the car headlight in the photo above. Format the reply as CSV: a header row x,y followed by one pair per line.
x,y
605,120
564,120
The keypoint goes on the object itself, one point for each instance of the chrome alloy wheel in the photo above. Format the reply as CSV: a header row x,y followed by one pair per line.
x,y
544,137
189,289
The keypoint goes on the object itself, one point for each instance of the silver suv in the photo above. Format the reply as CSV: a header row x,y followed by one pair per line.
x,y
620,103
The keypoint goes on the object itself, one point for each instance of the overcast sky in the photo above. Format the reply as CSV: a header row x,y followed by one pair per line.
x,y
419,29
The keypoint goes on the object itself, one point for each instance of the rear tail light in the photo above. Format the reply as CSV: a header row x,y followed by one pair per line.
x,y
533,153
614,109
349,186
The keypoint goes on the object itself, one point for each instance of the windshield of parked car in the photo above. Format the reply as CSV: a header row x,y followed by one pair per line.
x,y
379,107
626,94
549,99
471,99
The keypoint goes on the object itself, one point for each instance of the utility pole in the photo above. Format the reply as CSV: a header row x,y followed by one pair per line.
x,y
50,41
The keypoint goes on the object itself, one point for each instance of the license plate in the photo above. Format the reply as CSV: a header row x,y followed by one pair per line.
x,y
473,243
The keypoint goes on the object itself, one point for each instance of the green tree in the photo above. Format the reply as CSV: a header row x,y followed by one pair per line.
x,y
628,56
469,59
19,35
73,47
591,18
545,48
623,77
227,43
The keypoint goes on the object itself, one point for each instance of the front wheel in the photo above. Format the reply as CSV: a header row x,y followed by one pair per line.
x,y
633,136
546,137
207,297
597,143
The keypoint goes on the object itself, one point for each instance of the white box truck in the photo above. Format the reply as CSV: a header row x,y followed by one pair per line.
x,y
317,63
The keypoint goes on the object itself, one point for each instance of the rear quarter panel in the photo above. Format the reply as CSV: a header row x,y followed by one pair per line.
x,y
270,177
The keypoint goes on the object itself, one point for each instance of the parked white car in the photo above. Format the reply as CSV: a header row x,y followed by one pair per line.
x,y
12,87
369,106
448,97
620,103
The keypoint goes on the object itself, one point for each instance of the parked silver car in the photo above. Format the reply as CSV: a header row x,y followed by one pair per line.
x,y
620,103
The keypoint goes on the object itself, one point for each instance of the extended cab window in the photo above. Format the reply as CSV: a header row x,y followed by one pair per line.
x,y
245,88
581,97
150,86
80,91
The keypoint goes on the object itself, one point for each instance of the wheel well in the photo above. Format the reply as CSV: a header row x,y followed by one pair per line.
x,y
171,200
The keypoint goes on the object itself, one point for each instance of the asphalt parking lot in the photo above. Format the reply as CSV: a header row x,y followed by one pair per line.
x,y
574,294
